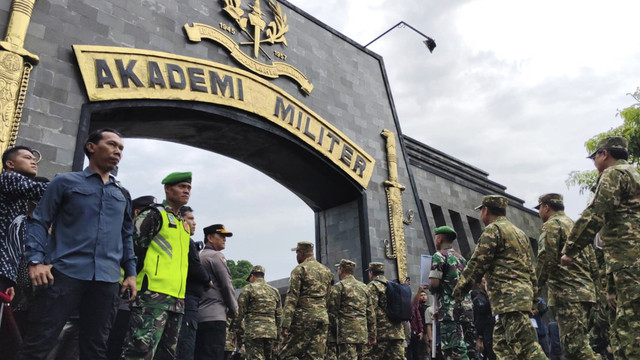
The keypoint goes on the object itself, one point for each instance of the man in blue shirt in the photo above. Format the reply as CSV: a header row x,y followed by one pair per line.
x,y
77,267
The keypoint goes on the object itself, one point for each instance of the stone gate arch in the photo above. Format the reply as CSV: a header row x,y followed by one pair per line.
x,y
276,97
326,189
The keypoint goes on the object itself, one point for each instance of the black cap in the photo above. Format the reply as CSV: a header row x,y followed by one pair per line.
x,y
143,201
217,228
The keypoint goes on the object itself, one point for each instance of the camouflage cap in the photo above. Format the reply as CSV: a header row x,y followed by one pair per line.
x,y
611,142
303,246
445,230
255,269
347,264
550,198
493,201
376,267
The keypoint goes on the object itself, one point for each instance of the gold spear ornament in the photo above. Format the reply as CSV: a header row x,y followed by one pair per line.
x,y
255,19
395,249
15,66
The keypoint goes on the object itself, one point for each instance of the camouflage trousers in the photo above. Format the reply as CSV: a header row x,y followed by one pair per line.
x,y
344,351
452,341
385,350
573,321
259,349
515,338
470,339
153,334
625,331
306,341
599,333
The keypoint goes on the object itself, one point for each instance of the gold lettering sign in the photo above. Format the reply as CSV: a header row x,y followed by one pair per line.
x,y
112,73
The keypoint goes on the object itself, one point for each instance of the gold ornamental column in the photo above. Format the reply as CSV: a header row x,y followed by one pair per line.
x,y
15,66
396,249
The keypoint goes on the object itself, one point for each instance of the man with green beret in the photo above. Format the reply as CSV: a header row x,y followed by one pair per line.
x,y
458,334
571,289
305,321
389,341
260,309
161,238
352,318
614,212
505,257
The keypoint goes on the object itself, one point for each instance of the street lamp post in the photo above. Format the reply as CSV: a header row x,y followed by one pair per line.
x,y
429,42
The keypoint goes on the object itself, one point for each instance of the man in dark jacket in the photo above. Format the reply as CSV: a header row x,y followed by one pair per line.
x,y
197,280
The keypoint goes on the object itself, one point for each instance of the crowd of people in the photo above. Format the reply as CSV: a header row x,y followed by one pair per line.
x,y
93,274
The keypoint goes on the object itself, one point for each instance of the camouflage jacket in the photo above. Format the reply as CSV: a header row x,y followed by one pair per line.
x,y
505,257
615,212
259,306
309,285
351,312
573,283
385,329
447,265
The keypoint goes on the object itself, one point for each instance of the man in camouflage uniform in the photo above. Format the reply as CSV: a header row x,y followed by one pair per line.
x,y
389,341
572,289
615,213
458,334
305,322
505,257
351,315
161,240
259,307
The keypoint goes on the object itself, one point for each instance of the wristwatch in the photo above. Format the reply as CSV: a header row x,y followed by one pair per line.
x,y
34,263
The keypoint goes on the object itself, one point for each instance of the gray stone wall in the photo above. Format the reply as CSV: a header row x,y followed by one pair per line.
x,y
440,195
350,91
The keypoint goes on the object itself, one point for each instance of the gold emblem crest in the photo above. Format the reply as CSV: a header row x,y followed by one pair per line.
x,y
253,27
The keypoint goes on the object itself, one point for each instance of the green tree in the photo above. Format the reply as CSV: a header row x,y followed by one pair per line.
x,y
630,129
239,272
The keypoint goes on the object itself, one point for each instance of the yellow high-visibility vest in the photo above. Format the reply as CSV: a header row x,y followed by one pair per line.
x,y
167,260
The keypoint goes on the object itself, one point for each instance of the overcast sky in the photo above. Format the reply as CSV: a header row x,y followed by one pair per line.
x,y
514,88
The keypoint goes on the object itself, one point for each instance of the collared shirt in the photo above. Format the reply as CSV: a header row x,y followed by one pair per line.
x,y
16,191
92,226
219,299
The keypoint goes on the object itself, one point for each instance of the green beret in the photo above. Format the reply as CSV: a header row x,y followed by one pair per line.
x,y
611,142
494,201
177,177
446,230
549,199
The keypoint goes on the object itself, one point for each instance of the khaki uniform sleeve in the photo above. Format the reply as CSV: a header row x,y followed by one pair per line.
x,y
606,199
479,263
547,253
371,318
295,281
243,300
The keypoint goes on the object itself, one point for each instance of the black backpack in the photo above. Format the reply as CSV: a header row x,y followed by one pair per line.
x,y
398,301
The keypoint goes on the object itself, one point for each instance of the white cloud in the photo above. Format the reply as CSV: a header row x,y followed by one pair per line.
x,y
513,88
